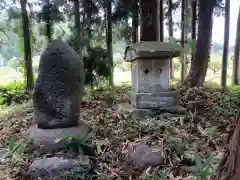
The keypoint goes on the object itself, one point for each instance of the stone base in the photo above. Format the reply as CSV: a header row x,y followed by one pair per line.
x,y
135,113
154,100
51,139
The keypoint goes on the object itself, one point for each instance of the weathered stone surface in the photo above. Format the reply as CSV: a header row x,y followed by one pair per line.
x,y
130,111
143,155
175,110
59,87
154,100
46,138
49,168
154,49
150,76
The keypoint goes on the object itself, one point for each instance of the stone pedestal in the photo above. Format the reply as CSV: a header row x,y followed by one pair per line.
x,y
150,93
53,139
137,113
154,100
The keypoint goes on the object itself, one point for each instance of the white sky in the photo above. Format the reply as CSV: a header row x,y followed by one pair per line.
x,y
218,24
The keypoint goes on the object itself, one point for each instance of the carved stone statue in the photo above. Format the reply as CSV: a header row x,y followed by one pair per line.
x,y
59,87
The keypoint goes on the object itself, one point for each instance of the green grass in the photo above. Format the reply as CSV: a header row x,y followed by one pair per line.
x,y
8,74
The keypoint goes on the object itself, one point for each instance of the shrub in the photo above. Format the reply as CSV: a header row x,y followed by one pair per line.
x,y
18,63
13,92
176,64
215,65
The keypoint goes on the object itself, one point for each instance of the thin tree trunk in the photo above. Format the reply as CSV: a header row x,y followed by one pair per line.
x,y
27,47
198,69
77,18
226,43
236,68
87,19
48,21
149,24
161,14
134,21
109,43
170,30
183,64
194,23
78,29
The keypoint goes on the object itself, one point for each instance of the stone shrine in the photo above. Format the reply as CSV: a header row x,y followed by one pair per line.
x,y
150,78
57,96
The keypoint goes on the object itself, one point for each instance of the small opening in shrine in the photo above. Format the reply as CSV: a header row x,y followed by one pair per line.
x,y
146,71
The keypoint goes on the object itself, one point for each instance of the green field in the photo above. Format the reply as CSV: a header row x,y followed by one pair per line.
x,y
9,74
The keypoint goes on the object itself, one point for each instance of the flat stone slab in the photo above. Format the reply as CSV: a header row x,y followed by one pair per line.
x,y
46,138
154,100
165,112
50,168
128,109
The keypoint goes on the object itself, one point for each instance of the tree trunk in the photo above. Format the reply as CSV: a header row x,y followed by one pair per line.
x,y
27,47
87,20
134,21
149,24
48,21
78,32
109,43
226,43
161,14
194,23
170,30
236,68
198,69
77,18
183,64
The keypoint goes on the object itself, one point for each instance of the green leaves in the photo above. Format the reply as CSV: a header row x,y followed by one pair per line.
x,y
202,170
79,144
13,92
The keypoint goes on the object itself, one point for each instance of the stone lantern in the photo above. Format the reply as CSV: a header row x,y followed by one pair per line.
x,y
150,78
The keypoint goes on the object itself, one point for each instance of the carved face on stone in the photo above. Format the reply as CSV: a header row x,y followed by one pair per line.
x,y
59,87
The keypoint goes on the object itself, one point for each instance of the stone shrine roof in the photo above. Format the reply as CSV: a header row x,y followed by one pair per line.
x,y
148,50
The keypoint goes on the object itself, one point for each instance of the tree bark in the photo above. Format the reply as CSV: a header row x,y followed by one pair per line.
x,y
194,23
109,42
48,21
183,64
161,13
27,47
149,24
134,21
226,44
77,18
78,29
170,31
236,63
198,69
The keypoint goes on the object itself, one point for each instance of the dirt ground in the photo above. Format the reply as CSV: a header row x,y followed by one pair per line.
x,y
187,142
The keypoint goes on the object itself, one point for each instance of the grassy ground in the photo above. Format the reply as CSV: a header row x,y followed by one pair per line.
x,y
8,74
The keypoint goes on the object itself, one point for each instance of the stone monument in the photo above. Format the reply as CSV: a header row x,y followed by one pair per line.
x,y
150,93
57,96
